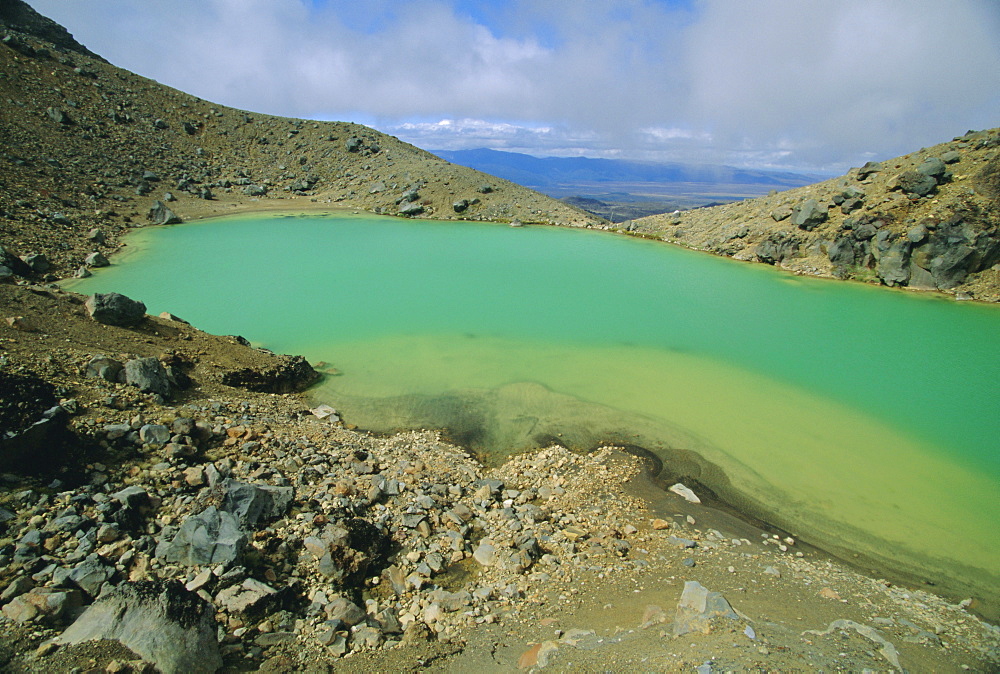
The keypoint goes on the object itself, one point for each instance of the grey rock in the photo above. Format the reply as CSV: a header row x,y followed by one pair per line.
x,y
461,205
344,610
13,263
133,496
893,264
915,183
96,235
851,205
58,116
485,554
868,169
96,259
16,588
354,144
411,209
255,190
160,124
389,621
698,607
776,248
951,157
37,262
864,231
154,434
951,267
115,309
781,213
841,252
917,233
90,575
250,597
210,537
189,128
250,502
82,272
366,637
52,603
485,189
933,167
887,650
159,214
808,215
147,374
163,623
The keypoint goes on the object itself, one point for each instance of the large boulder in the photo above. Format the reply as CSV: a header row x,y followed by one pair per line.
x,y
698,607
163,623
915,183
148,375
15,264
36,437
159,214
808,215
411,209
894,264
115,309
212,536
252,502
290,375
841,252
776,247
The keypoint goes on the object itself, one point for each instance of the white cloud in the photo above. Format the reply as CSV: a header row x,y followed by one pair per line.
x,y
816,83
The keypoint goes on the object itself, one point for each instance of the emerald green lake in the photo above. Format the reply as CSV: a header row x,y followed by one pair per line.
x,y
858,418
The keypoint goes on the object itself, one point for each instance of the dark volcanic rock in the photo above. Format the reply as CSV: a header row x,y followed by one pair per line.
x,y
841,252
411,209
777,247
808,215
250,502
916,183
18,15
14,263
166,625
34,436
292,375
893,263
147,374
115,309
159,214
212,536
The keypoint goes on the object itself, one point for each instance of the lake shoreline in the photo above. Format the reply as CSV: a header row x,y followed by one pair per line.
x,y
721,483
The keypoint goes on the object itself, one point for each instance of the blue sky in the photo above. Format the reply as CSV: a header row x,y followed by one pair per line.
x,y
816,85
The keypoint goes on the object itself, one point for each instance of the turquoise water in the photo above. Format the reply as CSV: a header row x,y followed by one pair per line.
x,y
865,418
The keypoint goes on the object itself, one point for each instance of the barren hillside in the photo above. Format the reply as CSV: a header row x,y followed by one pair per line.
x,y
929,220
87,145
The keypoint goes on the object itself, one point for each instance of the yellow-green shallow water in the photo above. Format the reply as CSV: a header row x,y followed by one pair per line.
x,y
858,418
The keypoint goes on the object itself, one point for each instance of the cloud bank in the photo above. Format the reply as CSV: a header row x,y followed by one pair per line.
x,y
818,84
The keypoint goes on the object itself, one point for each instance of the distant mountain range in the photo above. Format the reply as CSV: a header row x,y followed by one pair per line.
x,y
546,173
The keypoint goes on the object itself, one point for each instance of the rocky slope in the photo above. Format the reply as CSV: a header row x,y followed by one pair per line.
x,y
167,500
929,220
90,146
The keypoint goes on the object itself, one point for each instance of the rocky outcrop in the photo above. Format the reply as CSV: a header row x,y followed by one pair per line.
x,y
34,436
166,625
115,309
930,220
293,374
19,16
